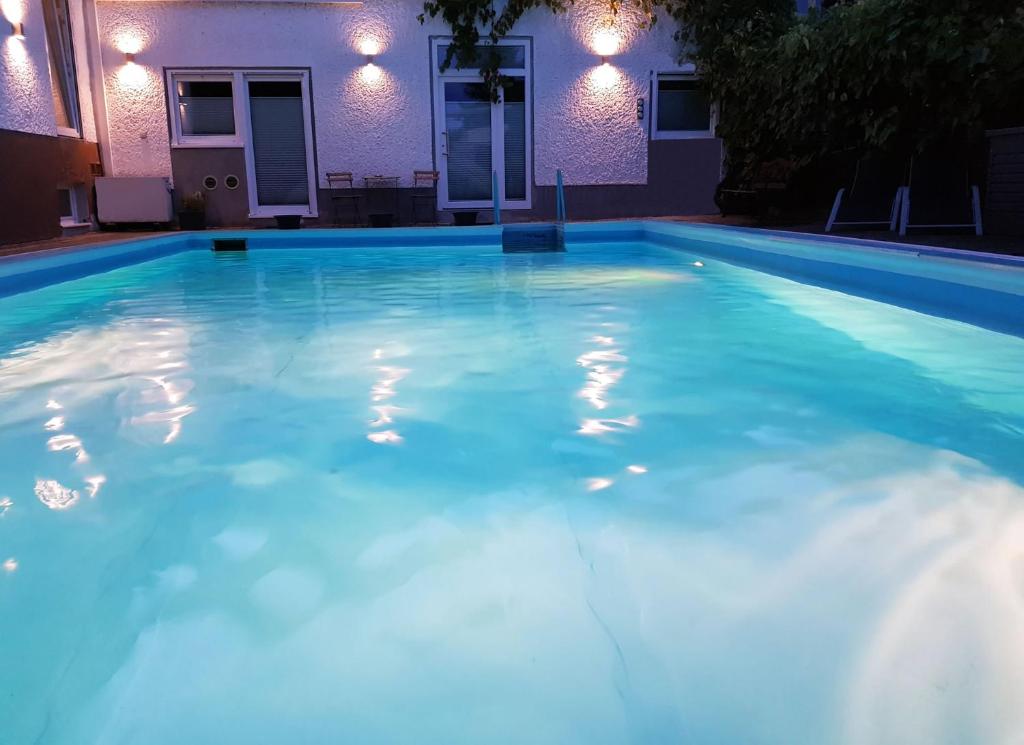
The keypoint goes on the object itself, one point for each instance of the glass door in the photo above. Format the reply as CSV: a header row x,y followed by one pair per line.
x,y
476,137
467,160
279,146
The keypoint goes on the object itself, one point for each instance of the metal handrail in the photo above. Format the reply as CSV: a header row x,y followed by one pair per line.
x,y
559,197
494,197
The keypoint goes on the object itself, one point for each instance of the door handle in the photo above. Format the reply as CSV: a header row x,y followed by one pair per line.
x,y
444,144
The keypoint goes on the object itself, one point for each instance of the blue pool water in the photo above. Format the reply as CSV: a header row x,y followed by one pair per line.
x,y
427,495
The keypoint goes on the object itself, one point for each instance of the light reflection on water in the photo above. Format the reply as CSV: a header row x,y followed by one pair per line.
x,y
637,499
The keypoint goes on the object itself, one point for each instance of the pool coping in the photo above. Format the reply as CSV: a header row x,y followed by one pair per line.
x,y
980,288
616,227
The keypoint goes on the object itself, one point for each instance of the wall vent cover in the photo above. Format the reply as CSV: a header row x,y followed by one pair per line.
x,y
231,181
210,183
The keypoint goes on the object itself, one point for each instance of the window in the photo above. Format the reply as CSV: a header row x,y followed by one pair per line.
x,y
63,82
203,110
71,204
681,108
509,56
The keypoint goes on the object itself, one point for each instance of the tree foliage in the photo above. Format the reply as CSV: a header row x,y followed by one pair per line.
x,y
889,75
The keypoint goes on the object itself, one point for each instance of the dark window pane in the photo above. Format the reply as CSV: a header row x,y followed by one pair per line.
x,y
205,88
64,202
682,106
509,56
514,97
466,92
515,91
275,88
205,107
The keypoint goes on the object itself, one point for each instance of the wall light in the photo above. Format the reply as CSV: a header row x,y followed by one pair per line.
x,y
129,43
14,12
370,48
129,58
606,44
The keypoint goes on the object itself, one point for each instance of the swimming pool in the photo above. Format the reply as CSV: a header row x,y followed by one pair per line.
x,y
341,489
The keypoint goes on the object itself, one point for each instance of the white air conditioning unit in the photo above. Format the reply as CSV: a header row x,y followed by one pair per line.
x,y
133,199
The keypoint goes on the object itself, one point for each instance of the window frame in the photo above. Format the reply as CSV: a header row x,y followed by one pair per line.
x,y
69,69
179,140
679,134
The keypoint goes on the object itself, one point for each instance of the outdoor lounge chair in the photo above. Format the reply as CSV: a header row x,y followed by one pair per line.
x,y
940,194
873,198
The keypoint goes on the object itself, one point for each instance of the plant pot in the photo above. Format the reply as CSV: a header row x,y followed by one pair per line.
x,y
288,222
464,218
192,220
381,220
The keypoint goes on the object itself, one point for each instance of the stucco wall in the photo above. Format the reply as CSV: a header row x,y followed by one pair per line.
x,y
584,117
25,103
25,100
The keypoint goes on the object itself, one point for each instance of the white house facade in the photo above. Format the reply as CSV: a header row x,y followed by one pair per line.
x,y
255,103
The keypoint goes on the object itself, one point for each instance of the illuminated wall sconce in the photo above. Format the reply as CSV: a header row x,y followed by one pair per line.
x,y
606,44
18,30
370,48
129,58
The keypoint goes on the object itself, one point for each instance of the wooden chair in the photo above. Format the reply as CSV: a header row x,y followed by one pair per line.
x,y
424,193
342,191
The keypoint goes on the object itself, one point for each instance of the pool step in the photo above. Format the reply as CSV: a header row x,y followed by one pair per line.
x,y
533,238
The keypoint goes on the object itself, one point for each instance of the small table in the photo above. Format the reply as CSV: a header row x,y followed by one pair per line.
x,y
382,200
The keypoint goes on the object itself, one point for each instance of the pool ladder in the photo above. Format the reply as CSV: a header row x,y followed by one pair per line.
x,y
533,237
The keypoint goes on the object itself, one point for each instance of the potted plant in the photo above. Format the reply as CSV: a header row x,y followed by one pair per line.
x,y
192,215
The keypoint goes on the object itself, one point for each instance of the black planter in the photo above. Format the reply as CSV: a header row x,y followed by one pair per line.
x,y
464,218
381,220
288,222
192,220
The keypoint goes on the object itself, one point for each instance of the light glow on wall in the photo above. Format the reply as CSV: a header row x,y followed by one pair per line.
x,y
370,75
13,11
129,42
604,77
133,76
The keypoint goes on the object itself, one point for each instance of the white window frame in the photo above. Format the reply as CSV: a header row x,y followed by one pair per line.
x,y
255,208
675,134
179,140
497,126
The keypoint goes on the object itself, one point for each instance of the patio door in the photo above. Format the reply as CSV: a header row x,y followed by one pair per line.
x,y
476,137
279,148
